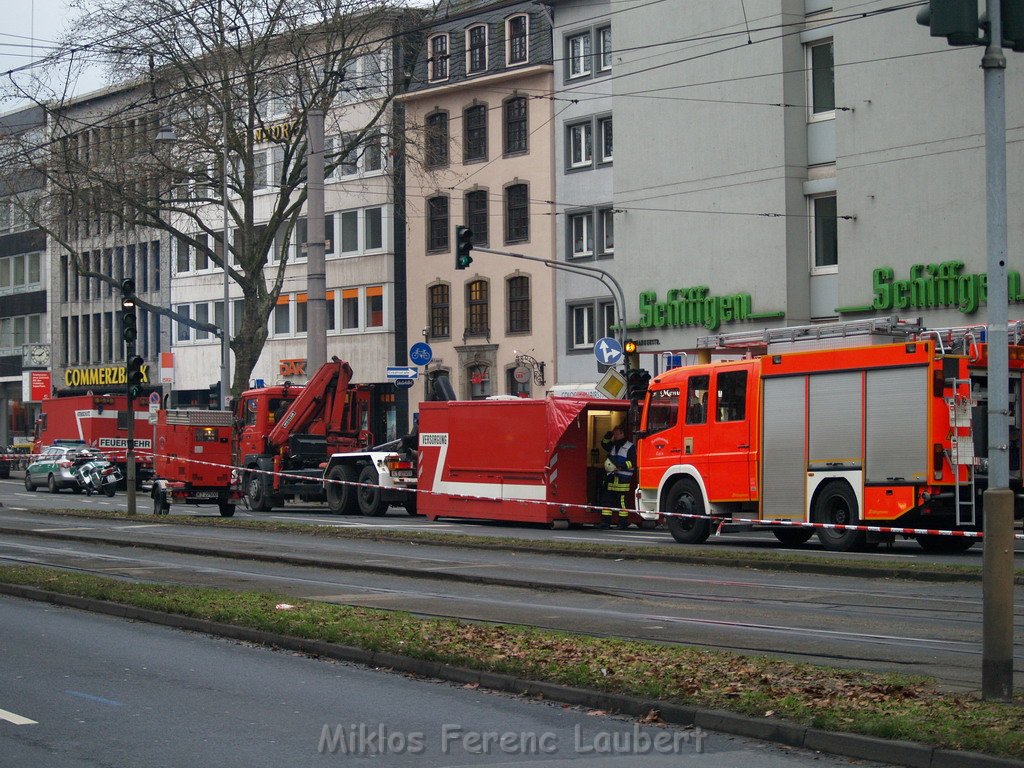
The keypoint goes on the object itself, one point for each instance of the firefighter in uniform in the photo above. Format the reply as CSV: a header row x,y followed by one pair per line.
x,y
620,465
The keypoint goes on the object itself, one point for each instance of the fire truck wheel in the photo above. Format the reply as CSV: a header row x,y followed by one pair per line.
x,y
110,489
945,545
226,510
684,498
51,483
370,500
341,497
28,482
257,492
837,505
792,537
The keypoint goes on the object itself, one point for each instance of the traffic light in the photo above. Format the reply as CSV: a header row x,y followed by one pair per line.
x,y
636,383
215,396
955,20
129,326
134,375
463,245
632,354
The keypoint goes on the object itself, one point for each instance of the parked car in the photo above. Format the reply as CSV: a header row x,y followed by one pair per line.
x,y
53,468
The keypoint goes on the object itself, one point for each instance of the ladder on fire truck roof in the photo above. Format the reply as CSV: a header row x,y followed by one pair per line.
x,y
961,339
877,326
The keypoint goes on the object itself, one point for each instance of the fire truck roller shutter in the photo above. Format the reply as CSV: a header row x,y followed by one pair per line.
x,y
782,451
897,424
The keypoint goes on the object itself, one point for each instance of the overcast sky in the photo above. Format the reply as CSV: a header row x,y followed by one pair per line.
x,y
25,21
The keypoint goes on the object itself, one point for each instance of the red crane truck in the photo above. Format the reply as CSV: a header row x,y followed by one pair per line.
x,y
879,435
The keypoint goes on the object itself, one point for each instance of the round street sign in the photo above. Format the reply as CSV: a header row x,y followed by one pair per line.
x,y
521,374
403,383
608,351
420,353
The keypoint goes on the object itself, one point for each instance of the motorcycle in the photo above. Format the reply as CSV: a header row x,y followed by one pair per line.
x,y
95,475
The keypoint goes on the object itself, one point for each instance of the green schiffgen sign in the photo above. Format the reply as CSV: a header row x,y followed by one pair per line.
x,y
692,306
936,285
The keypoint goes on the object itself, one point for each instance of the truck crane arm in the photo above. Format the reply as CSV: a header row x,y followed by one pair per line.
x,y
320,396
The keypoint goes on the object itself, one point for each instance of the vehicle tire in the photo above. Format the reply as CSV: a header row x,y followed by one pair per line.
x,y
257,492
51,484
945,545
341,498
110,489
837,504
161,506
410,504
792,537
371,500
226,510
28,482
685,498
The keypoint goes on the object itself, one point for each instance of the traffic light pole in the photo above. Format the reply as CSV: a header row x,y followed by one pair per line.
x,y
130,457
606,278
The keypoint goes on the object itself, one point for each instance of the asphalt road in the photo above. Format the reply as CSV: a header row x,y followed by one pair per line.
x,y
887,625
80,690
14,496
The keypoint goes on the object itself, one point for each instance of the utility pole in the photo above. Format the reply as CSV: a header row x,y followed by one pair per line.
x,y
316,275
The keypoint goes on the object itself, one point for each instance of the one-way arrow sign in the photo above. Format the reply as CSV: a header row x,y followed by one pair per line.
x,y
394,372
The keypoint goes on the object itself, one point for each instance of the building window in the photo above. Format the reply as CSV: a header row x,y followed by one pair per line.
x,y
476,49
581,234
183,331
517,213
604,129
604,49
581,326
477,309
479,382
332,320
517,37
579,54
823,83
350,309
824,235
373,153
375,306
439,301
607,219
373,225
581,145
474,123
437,223
606,318
437,139
518,288
476,215
438,64
516,133
283,316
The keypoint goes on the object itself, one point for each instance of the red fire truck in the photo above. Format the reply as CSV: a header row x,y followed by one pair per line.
x,y
534,461
101,421
193,463
879,434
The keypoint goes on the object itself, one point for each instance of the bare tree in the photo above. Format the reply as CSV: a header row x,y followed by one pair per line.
x,y
235,79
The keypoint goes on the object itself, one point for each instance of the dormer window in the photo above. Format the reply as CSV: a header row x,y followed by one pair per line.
x,y
516,40
438,62
476,49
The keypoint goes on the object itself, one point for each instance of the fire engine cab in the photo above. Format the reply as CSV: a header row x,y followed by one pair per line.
x,y
830,426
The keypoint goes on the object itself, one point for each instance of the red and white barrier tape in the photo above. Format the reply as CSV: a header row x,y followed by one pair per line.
x,y
717,520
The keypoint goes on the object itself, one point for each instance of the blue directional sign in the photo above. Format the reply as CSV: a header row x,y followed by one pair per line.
x,y
400,372
608,351
420,353
403,383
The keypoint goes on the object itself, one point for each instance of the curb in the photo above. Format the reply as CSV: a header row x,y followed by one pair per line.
x,y
903,753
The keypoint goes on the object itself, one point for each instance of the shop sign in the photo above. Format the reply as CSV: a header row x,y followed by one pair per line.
x,y
97,377
295,367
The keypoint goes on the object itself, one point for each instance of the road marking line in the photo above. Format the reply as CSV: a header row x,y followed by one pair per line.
x,y
141,525
76,528
16,719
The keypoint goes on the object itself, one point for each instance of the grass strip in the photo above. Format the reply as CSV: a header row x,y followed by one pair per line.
x,y
671,553
886,706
